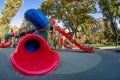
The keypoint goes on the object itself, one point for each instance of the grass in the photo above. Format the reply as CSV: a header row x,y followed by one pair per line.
x,y
108,44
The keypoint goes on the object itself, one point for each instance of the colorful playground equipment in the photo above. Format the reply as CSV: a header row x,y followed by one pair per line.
x,y
33,55
57,28
73,41
68,47
7,43
36,18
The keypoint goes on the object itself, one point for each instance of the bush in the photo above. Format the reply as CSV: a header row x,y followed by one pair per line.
x,y
109,44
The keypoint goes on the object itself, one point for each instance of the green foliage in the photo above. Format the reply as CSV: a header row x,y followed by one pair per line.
x,y
111,13
9,11
73,13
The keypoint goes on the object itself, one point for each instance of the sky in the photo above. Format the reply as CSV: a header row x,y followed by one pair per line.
x,y
28,4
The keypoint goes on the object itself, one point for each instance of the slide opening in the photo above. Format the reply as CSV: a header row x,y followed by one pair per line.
x,y
32,45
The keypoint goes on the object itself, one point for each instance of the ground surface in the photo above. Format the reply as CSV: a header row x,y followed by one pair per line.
x,y
74,65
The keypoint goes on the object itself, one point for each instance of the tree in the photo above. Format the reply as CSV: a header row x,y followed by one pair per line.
x,y
111,12
104,31
9,11
74,14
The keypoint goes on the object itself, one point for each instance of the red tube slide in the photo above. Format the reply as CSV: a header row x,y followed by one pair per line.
x,y
33,56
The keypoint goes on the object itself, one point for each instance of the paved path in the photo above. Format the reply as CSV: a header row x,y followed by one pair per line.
x,y
74,65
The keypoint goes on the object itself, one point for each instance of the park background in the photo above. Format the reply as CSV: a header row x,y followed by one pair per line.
x,y
93,23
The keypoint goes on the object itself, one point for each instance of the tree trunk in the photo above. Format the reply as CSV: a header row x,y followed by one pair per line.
x,y
114,29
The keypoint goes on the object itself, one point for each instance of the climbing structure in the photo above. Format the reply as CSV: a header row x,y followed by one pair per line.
x,y
57,28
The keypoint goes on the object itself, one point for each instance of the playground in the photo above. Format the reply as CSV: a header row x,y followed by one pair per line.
x,y
74,65
44,49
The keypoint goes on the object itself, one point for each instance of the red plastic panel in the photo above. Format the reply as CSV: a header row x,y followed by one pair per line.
x,y
76,43
5,45
38,62
52,22
12,34
68,47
